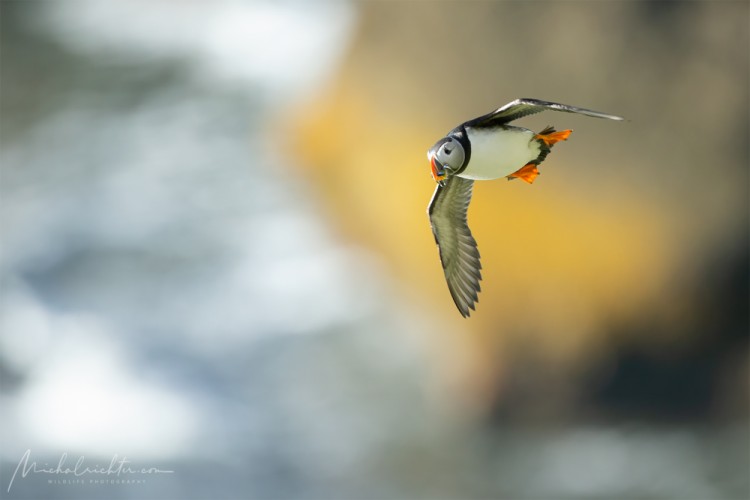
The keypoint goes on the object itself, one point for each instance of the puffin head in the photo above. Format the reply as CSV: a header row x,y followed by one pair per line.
x,y
446,157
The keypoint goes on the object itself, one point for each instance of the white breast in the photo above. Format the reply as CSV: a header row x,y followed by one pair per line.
x,y
499,152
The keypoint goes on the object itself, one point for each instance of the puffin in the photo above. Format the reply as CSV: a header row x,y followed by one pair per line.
x,y
484,148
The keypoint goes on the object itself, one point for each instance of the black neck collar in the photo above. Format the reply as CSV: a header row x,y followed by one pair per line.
x,y
459,133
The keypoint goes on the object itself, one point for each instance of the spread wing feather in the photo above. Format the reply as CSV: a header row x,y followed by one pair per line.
x,y
457,247
524,107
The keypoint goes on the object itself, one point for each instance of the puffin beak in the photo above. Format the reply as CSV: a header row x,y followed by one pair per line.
x,y
438,172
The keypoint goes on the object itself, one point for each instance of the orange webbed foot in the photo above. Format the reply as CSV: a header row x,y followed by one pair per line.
x,y
551,136
528,173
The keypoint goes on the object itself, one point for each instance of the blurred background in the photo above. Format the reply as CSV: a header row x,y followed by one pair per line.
x,y
216,258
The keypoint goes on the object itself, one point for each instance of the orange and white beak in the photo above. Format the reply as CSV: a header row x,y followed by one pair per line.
x,y
438,172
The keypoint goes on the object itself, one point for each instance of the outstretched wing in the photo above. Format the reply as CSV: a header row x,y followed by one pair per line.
x,y
523,107
458,249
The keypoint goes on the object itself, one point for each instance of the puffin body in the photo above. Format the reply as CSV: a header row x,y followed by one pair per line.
x,y
498,153
484,148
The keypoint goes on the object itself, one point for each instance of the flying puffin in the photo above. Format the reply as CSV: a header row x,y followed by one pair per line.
x,y
484,148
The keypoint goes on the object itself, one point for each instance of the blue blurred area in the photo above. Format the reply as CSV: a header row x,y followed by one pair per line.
x,y
172,293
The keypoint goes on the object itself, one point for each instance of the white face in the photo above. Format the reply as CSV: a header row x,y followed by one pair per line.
x,y
451,154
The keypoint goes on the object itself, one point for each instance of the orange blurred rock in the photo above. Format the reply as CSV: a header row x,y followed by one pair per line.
x,y
591,242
